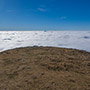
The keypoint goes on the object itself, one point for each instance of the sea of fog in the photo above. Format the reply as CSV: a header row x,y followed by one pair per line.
x,y
68,39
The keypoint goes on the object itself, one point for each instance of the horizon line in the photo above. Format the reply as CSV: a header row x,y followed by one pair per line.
x,y
43,30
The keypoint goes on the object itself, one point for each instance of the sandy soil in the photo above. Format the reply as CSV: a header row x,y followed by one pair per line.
x,y
44,68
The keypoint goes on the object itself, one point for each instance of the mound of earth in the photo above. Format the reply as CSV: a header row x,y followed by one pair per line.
x,y
44,68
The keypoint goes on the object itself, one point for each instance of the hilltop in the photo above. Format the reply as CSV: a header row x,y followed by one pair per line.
x,y
44,68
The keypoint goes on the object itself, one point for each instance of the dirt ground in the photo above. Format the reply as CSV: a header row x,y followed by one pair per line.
x,y
44,68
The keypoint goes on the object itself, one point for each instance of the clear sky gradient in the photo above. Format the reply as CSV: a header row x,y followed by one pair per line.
x,y
44,14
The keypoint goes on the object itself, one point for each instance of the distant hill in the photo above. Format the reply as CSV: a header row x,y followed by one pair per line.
x,y
44,68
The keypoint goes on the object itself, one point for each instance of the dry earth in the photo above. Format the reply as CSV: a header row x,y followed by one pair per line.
x,y
44,68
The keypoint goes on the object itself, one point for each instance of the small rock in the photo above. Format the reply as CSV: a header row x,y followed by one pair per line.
x,y
53,83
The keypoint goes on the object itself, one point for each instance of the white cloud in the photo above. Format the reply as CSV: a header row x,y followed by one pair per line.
x,y
41,9
65,39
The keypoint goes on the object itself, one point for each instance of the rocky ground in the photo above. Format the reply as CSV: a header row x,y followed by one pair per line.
x,y
44,68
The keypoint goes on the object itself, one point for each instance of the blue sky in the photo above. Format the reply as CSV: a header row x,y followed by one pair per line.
x,y
44,14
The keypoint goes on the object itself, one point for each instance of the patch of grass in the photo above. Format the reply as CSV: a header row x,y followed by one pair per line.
x,y
7,61
56,60
68,66
55,68
11,76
